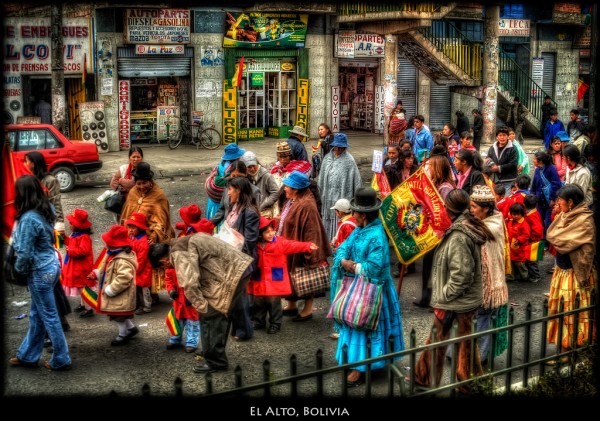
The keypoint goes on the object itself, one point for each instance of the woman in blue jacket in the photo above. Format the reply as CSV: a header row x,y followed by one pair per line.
x,y
546,183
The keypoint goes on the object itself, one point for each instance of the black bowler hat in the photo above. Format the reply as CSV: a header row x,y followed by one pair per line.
x,y
365,200
143,172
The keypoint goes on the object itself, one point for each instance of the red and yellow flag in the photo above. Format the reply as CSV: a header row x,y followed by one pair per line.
x,y
11,170
237,77
380,184
100,259
173,323
414,217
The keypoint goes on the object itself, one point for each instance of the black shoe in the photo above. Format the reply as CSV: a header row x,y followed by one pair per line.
x,y
132,332
259,326
273,329
290,312
171,346
119,340
47,343
421,304
79,309
204,367
87,313
300,318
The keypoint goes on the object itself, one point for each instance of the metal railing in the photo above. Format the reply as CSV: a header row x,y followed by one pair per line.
x,y
450,41
401,379
349,8
518,82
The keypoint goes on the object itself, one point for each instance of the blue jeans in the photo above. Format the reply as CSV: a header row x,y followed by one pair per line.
x,y
192,333
43,317
484,322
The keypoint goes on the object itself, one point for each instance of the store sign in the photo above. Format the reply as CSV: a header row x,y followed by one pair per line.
x,y
168,121
350,45
265,30
257,79
335,109
513,27
159,49
263,66
143,81
124,107
379,108
157,26
229,113
302,104
28,46
345,44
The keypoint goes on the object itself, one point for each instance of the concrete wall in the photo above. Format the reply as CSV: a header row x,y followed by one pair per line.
x,y
463,103
323,74
423,95
212,106
567,75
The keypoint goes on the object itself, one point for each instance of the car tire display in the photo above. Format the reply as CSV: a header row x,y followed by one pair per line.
x,y
92,125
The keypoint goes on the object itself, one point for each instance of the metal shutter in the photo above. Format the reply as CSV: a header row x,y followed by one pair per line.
x,y
407,86
439,106
132,65
549,75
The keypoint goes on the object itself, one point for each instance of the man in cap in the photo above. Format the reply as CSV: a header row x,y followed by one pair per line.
x,y
297,136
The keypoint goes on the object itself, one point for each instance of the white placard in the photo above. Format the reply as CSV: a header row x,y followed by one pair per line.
x,y
377,161
335,109
107,86
379,108
345,44
537,70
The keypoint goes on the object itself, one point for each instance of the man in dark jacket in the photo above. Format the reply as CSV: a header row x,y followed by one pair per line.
x,y
462,123
547,106
502,158
477,128
297,136
516,118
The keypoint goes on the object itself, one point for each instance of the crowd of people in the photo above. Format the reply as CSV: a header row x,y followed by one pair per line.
x,y
267,231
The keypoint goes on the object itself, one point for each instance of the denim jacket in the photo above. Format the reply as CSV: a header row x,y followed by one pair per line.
x,y
33,241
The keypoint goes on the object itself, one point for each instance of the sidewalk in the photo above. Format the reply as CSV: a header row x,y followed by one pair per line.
x,y
187,160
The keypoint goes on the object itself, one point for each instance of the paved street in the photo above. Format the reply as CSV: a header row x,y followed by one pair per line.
x,y
99,368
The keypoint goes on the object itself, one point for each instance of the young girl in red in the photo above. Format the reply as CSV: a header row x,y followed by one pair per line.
x,y
519,234
272,280
136,227
79,259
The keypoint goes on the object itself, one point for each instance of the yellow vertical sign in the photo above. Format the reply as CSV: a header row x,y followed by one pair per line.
x,y
302,104
229,113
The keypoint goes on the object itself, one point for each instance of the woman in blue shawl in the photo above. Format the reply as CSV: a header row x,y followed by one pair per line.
x,y
366,252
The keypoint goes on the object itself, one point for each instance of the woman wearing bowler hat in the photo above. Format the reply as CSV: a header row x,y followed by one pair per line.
x,y
366,252
299,220
148,198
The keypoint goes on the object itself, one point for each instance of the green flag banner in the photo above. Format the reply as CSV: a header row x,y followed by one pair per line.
x,y
414,216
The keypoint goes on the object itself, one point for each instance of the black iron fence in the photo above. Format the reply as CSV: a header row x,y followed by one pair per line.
x,y
525,359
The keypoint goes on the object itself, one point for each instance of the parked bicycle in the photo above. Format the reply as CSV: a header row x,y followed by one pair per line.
x,y
195,134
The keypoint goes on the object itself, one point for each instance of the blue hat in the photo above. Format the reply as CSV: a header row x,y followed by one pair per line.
x,y
232,151
563,136
297,180
340,140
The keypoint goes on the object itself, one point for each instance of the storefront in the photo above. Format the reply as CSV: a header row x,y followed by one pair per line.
x,y
27,69
154,75
272,95
358,77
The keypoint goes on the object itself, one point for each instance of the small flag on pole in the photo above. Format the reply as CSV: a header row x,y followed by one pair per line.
x,y
536,251
90,297
100,259
59,241
173,323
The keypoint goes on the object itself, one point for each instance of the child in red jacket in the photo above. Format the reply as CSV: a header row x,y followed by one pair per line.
x,y
192,221
185,313
520,188
136,226
519,233
534,219
346,223
272,280
79,259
